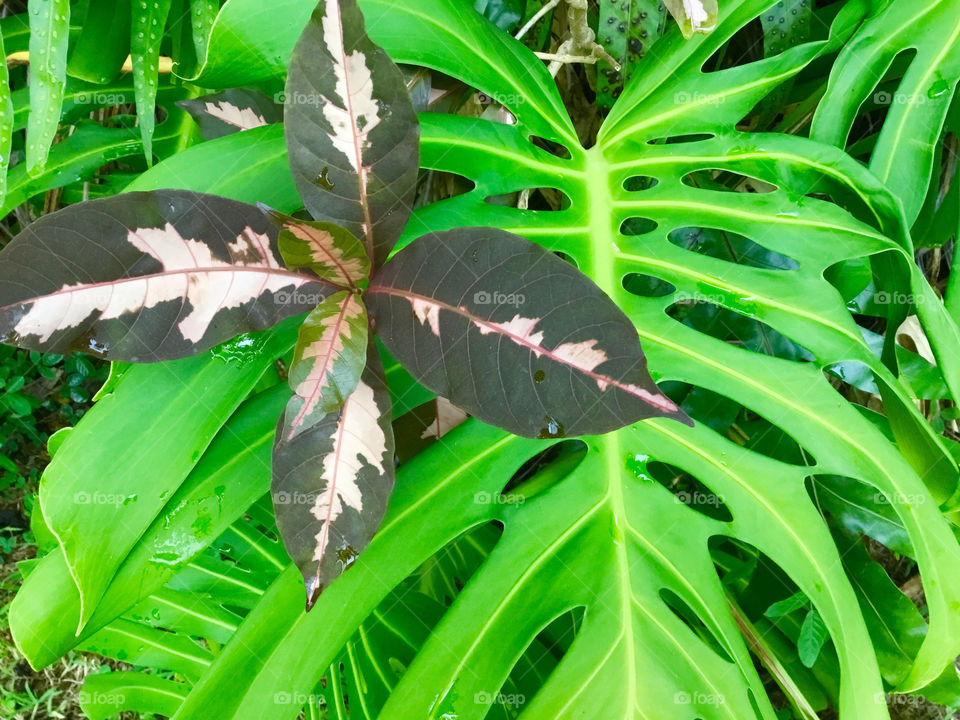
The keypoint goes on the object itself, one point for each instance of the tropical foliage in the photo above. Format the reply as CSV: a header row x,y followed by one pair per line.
x,y
762,195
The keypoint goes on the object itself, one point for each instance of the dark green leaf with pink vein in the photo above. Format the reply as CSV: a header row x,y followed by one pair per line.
x,y
332,481
514,335
351,130
147,276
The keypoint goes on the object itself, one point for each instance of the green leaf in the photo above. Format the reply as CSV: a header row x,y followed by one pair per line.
x,y
350,129
917,105
104,42
328,360
626,30
332,480
49,36
462,309
6,124
149,276
146,31
203,13
813,636
104,695
333,253
787,606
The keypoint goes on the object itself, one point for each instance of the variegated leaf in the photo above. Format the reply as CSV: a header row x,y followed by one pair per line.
x,y
327,361
147,276
351,130
331,482
514,335
231,111
333,253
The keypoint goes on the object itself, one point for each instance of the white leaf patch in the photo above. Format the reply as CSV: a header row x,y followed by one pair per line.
x,y
695,12
427,312
358,438
449,416
324,252
321,355
357,113
190,273
243,118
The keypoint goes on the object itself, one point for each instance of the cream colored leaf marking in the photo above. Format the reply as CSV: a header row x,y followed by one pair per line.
x,y
210,284
324,251
448,417
358,437
322,354
359,113
582,356
243,118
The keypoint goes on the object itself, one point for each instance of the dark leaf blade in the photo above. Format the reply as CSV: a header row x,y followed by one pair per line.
x,y
331,482
332,252
514,335
351,131
147,276
230,111
328,360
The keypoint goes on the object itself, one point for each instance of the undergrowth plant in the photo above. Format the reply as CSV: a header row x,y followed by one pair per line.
x,y
746,192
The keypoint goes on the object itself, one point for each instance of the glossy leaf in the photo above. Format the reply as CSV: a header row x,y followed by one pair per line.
x,y
104,42
49,36
351,130
231,111
6,124
327,362
147,276
146,31
331,483
514,335
334,254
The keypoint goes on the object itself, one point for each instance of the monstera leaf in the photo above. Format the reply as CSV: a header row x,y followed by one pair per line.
x,y
588,530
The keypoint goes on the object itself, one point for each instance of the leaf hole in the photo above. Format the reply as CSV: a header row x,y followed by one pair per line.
x,y
681,139
633,226
544,470
638,183
726,181
730,247
646,285
551,147
689,617
689,491
738,424
434,185
702,314
538,199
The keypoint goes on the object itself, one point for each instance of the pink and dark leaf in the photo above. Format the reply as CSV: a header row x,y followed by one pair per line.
x,y
333,253
328,360
513,335
147,276
231,111
332,481
351,131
